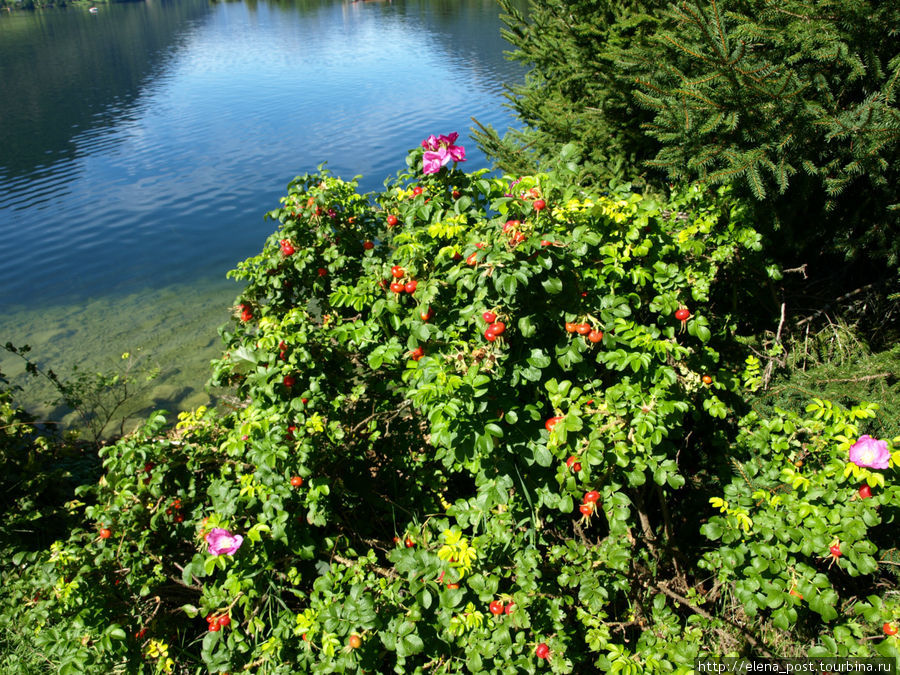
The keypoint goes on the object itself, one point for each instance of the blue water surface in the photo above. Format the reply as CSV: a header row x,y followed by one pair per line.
x,y
141,146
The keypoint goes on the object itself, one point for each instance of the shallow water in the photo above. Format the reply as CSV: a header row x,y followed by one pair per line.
x,y
140,148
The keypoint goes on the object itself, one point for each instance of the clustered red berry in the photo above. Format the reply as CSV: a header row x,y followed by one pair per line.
x,y
590,333
217,622
174,510
397,285
589,503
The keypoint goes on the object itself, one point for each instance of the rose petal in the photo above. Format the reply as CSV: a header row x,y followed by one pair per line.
x,y
870,453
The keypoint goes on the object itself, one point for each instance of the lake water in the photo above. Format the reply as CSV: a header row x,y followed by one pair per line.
x,y
141,146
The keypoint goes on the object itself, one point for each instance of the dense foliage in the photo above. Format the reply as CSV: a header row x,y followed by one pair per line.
x,y
479,425
793,103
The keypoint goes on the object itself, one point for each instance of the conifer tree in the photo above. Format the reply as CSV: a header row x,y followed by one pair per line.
x,y
575,91
792,102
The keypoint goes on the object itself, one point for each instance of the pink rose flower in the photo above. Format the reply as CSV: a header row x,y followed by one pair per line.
x,y
870,453
440,150
432,161
222,541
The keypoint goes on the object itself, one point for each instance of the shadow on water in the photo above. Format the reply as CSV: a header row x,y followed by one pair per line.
x,y
66,72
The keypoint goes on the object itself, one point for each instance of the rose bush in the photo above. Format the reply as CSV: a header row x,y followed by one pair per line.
x,y
483,440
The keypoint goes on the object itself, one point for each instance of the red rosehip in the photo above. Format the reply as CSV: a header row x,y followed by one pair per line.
x,y
409,542
545,243
417,353
410,286
509,608
452,585
368,245
489,317
835,550
865,491
889,629
472,259
354,641
397,287
539,205
105,533
391,220
214,628
682,314
571,461
397,272
591,497
286,247
571,327
706,379
583,328
490,335
455,194
427,314
246,315
542,651
296,481
323,272
595,336
497,328
552,422
417,191
586,509
223,620
496,607
289,381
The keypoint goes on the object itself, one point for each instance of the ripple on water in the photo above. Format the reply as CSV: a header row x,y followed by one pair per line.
x,y
119,225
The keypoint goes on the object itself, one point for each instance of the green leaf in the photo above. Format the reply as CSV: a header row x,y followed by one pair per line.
x,y
493,429
542,455
712,530
552,285
409,645
526,327
116,632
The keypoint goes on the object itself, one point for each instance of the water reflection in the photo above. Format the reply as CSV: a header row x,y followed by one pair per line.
x,y
139,148
66,73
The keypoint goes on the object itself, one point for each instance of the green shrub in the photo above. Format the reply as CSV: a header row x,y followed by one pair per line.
x,y
794,104
401,485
